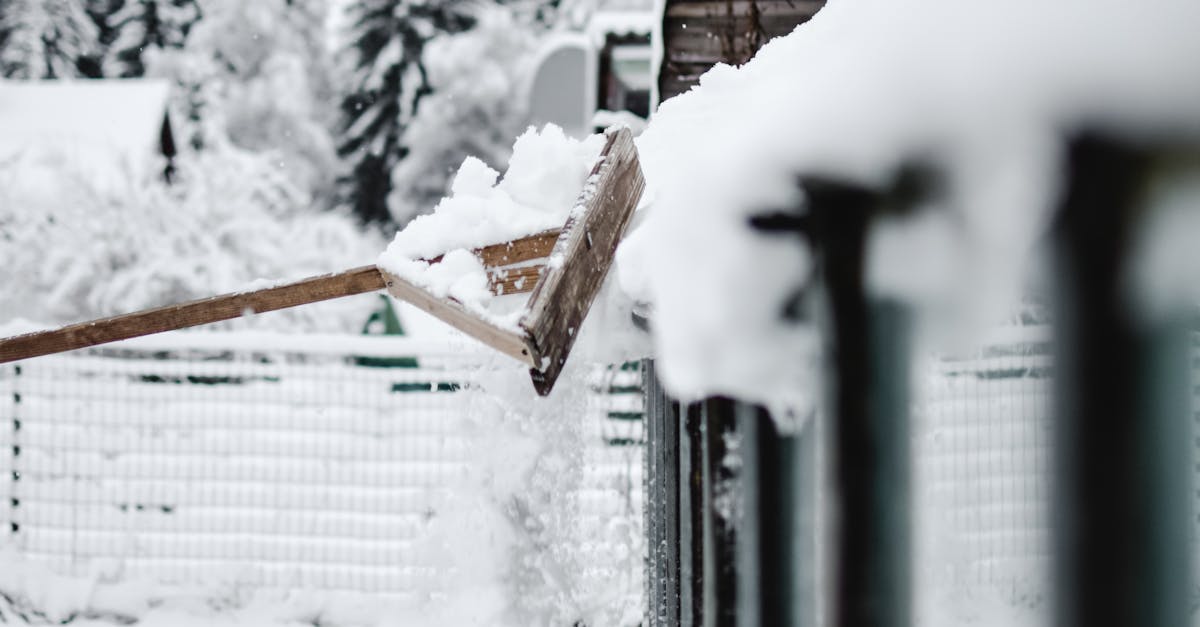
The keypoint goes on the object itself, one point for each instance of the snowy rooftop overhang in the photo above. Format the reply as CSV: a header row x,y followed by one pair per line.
x,y
98,125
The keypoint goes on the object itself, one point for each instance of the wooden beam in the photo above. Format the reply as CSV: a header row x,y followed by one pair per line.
x,y
520,280
586,247
190,314
522,249
453,313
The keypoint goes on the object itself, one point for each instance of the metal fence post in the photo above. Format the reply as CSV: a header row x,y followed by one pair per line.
x,y
719,511
691,556
1124,493
14,478
776,543
868,344
662,512
692,511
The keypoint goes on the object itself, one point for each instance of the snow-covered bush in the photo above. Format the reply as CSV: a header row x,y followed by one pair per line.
x,y
72,249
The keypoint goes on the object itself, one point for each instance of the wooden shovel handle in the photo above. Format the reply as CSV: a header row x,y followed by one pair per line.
x,y
504,280
190,314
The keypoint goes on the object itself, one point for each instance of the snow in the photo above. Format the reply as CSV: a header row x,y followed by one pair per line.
x,y
545,177
102,125
605,119
460,275
639,21
986,93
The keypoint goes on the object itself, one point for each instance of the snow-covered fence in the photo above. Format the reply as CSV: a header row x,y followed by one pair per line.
x,y
983,454
275,461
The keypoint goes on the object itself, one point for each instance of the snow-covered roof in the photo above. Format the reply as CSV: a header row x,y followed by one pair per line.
x,y
98,124
642,6
621,22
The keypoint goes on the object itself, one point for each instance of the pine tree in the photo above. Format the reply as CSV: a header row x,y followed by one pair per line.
x,y
101,12
142,25
44,38
477,108
390,81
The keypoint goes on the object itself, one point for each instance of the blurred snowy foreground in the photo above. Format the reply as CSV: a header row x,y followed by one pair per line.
x,y
986,93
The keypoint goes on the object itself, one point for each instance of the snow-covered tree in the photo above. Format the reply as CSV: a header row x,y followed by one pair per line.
x,y
44,38
390,80
101,12
476,108
256,75
142,26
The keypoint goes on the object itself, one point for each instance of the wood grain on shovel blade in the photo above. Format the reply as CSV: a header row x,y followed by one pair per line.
x,y
581,258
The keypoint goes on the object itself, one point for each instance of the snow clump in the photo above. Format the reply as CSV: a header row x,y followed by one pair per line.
x,y
985,93
546,174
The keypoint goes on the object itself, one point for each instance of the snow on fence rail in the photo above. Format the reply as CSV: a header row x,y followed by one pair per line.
x,y
271,460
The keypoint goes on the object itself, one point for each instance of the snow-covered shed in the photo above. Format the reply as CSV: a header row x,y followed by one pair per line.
x,y
103,129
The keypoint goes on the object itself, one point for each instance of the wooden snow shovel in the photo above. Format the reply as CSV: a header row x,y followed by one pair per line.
x,y
561,295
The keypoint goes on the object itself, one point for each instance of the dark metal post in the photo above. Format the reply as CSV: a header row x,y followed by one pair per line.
x,y
662,491
870,353
719,507
14,478
776,544
691,521
1124,494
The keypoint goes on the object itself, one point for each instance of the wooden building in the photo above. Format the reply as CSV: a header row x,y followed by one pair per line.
x,y
698,34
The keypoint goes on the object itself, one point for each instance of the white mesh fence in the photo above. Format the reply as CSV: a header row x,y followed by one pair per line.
x,y
984,456
244,457
283,462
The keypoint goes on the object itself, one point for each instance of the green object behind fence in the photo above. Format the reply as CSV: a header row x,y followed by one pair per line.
x,y
384,321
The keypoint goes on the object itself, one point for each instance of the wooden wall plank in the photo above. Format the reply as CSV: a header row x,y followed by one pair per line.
x,y
698,34
722,8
